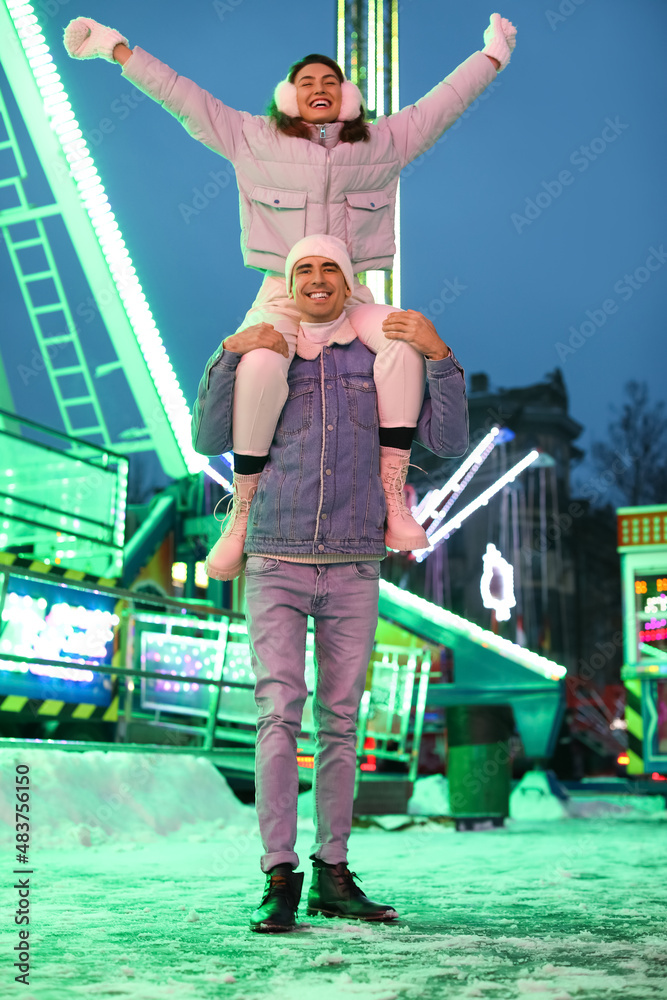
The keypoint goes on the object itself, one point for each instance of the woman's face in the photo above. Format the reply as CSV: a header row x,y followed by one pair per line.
x,y
318,94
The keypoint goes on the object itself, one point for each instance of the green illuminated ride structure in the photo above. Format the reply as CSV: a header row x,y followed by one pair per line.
x,y
79,199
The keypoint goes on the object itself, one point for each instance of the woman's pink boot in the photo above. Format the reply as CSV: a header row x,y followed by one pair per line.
x,y
402,531
225,560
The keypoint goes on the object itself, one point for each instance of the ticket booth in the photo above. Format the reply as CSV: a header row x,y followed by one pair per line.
x,y
642,544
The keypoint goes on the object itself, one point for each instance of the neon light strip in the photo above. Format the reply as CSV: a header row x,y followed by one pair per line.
x,y
375,280
455,522
449,503
94,200
432,500
370,49
394,57
396,271
652,651
447,619
216,477
340,35
379,58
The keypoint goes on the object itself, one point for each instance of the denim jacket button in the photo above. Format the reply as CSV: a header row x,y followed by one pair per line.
x,y
324,517
320,548
328,472
329,427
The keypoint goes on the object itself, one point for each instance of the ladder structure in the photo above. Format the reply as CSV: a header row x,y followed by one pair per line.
x,y
43,293
79,200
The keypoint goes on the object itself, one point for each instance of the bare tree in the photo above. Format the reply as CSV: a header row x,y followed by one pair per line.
x,y
636,449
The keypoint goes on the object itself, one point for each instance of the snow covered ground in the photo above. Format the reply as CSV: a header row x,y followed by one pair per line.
x,y
145,870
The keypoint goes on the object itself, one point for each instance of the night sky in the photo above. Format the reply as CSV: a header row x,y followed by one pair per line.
x,y
541,208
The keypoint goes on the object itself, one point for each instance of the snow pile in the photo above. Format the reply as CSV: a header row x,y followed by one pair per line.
x,y
430,797
91,797
536,797
540,797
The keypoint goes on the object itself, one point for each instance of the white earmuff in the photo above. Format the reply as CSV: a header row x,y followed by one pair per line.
x,y
285,97
352,102
286,101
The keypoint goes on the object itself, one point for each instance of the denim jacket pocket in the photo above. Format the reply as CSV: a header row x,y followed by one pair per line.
x,y
277,219
361,400
297,415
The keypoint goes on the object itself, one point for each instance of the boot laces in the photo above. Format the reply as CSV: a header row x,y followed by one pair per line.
x,y
276,885
348,879
394,483
236,514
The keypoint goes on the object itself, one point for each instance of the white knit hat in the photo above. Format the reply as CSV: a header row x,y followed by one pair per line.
x,y
319,245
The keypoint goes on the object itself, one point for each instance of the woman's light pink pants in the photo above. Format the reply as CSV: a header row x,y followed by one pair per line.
x,y
261,377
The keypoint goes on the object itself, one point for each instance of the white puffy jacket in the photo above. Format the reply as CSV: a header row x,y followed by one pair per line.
x,y
289,187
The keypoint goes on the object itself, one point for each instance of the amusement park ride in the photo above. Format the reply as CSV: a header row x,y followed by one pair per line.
x,y
76,644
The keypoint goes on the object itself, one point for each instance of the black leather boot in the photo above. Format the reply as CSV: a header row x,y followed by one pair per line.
x,y
282,892
334,893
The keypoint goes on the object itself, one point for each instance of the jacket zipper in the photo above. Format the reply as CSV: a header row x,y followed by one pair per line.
x,y
323,136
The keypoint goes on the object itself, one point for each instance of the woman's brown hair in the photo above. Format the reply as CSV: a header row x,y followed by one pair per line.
x,y
352,131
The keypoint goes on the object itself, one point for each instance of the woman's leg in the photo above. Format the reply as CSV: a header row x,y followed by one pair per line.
x,y
260,392
399,370
400,378
260,389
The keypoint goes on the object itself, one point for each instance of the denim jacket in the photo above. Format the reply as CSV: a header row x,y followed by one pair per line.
x,y
320,492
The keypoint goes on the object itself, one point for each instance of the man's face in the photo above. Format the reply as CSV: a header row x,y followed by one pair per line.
x,y
319,289
318,94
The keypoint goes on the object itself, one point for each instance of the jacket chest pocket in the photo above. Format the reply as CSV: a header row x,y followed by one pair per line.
x,y
297,415
361,400
369,225
277,220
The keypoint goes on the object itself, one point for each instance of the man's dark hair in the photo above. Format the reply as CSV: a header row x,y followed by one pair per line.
x,y
352,131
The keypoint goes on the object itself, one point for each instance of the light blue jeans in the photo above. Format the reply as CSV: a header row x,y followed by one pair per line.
x,y
343,601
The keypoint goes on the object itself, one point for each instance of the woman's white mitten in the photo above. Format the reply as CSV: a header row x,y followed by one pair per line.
x,y
86,39
499,40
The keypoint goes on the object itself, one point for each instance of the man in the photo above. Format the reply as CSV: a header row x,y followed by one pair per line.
x,y
314,543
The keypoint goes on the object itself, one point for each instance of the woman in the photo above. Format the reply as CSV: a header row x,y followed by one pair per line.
x,y
312,165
